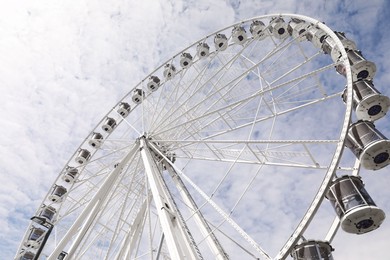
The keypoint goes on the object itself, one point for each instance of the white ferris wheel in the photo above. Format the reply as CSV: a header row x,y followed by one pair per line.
x,y
195,161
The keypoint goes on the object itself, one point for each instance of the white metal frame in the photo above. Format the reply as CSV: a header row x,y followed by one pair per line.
x,y
176,235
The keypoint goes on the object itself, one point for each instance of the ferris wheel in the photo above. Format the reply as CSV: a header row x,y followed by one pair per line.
x,y
212,152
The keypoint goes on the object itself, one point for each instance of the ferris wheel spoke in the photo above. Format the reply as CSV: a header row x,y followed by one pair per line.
x,y
90,212
100,231
129,245
297,107
166,99
123,217
294,69
110,153
235,81
162,102
189,110
276,62
198,86
195,84
277,53
223,214
291,98
275,115
84,195
225,131
191,120
132,127
78,198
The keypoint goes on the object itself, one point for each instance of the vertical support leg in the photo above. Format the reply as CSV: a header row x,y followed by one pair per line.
x,y
178,242
205,229
128,245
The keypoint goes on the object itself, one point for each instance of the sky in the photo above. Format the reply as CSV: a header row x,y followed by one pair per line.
x,y
64,64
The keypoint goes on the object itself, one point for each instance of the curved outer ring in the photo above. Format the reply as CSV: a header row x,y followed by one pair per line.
x,y
339,149
337,154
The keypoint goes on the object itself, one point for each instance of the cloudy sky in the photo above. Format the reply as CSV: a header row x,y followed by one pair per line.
x,y
64,64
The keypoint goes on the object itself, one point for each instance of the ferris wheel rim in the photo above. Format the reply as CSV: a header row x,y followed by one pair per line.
x,y
340,142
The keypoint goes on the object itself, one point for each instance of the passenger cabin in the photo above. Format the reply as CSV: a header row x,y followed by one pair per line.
x,y
202,50
138,95
27,255
360,67
169,71
348,44
70,174
353,205
220,42
57,194
185,60
109,125
124,109
369,104
48,213
316,36
297,29
97,138
278,28
153,83
258,30
312,250
34,238
239,35
369,145
329,46
83,156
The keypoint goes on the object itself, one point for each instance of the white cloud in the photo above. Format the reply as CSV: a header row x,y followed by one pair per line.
x,y
64,64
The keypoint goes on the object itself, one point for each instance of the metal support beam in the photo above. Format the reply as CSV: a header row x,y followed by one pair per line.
x,y
211,239
85,219
224,215
160,247
177,239
131,238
